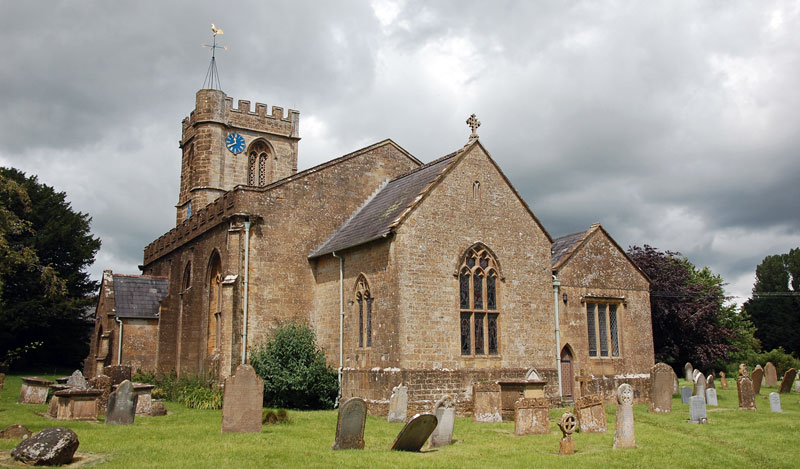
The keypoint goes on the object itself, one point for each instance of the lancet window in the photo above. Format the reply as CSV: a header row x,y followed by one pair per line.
x,y
478,305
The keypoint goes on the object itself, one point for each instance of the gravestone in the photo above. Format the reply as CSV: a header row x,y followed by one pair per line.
x,y
697,410
723,380
591,414
710,381
15,432
567,424
33,390
711,397
2,380
52,446
486,402
688,372
774,402
686,393
756,378
77,404
770,374
788,380
623,431
117,373
699,386
532,416
157,409
122,405
103,383
242,400
350,424
398,404
445,412
415,433
661,387
695,372
676,386
747,398
743,371
77,380
797,385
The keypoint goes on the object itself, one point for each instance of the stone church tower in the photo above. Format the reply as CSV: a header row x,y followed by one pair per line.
x,y
223,147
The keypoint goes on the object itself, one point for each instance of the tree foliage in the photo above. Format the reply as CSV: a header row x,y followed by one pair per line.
x,y
294,370
775,302
688,307
45,247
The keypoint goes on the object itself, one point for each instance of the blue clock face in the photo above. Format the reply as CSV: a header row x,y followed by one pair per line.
x,y
235,143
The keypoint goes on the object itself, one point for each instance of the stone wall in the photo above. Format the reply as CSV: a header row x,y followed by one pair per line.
x,y
139,340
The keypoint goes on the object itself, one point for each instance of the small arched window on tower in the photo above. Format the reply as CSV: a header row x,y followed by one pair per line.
x,y
259,173
364,304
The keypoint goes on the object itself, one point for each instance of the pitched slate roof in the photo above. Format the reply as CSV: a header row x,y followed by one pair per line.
x,y
384,211
564,245
137,296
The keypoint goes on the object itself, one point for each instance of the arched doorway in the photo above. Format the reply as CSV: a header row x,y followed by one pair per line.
x,y
567,375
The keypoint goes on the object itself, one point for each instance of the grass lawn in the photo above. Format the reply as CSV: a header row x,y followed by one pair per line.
x,y
192,438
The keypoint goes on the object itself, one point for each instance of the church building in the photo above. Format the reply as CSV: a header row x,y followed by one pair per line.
x,y
435,275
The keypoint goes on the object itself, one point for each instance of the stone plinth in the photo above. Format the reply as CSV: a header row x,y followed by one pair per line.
x,y
77,404
487,402
512,390
34,390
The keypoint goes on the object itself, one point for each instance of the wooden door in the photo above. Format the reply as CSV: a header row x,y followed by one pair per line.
x,y
567,377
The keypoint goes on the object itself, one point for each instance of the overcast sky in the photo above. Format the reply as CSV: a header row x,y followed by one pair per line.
x,y
674,124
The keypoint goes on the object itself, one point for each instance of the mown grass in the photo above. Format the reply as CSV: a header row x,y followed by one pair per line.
x,y
192,438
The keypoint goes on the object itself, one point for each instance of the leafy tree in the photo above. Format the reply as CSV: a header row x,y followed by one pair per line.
x,y
688,309
45,247
294,370
775,302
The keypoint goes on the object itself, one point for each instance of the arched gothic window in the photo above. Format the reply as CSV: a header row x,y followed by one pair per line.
x,y
259,172
187,277
479,314
214,303
364,305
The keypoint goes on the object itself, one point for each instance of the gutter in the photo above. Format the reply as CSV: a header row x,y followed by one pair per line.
x,y
119,345
246,285
556,285
341,323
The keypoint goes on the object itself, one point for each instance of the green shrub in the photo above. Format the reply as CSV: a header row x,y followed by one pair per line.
x,y
196,391
782,360
272,417
294,370
202,397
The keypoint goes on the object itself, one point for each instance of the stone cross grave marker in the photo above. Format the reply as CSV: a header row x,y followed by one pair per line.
x,y
445,412
710,381
567,424
788,380
122,405
487,402
699,386
415,433
697,410
774,402
591,414
532,416
77,380
242,400
350,424
623,431
756,378
687,372
747,398
398,404
661,384
723,380
770,374
711,397
686,393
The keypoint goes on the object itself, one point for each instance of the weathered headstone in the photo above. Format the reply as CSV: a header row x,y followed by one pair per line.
x,y
770,374
532,416
743,371
711,397
623,431
445,412
787,381
710,381
117,373
686,393
723,380
122,405
15,432
103,383
699,386
2,380
158,409
747,398
688,372
415,433
242,400
350,424
676,386
33,390
398,404
52,446
775,402
567,424
661,384
695,372
77,380
797,385
697,410
591,414
486,402
757,378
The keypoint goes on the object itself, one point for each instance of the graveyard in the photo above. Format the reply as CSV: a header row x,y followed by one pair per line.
x,y
193,438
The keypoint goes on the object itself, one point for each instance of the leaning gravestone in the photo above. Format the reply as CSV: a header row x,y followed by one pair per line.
x,y
697,410
532,416
398,404
77,380
770,374
711,397
756,378
723,380
445,412
623,431
242,400
710,381
486,402
747,398
661,384
686,393
350,424
591,414
52,446
122,405
788,380
688,372
415,433
774,402
699,386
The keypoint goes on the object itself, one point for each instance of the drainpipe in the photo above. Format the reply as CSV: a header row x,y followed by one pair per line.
x,y
119,345
341,321
556,284
246,278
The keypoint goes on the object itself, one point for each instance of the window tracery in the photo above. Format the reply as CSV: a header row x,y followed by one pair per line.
x,y
364,300
477,280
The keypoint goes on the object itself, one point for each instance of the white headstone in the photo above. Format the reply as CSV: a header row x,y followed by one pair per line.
x,y
445,412
686,393
775,402
697,409
398,404
699,385
711,397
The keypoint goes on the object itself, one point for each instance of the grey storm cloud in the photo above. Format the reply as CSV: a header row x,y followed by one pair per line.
x,y
672,123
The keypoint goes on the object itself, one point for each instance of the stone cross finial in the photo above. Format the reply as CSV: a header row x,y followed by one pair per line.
x,y
473,124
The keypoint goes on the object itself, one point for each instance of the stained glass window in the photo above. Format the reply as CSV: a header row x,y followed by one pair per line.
x,y
491,292
590,309
464,289
251,174
360,321
612,322
364,300
477,280
466,348
603,331
493,334
484,262
369,321
478,327
479,333
471,261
